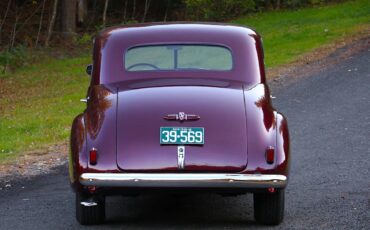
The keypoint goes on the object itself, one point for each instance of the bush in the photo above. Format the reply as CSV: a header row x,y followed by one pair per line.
x,y
13,58
221,10
301,3
84,39
263,5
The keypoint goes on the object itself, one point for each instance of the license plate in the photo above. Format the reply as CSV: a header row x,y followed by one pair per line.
x,y
181,136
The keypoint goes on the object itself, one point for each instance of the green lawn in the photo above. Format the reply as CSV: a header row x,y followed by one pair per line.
x,y
288,34
38,102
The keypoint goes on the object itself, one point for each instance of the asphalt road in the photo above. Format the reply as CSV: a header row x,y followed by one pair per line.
x,y
329,119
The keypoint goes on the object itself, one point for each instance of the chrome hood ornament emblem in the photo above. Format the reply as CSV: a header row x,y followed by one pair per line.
x,y
182,116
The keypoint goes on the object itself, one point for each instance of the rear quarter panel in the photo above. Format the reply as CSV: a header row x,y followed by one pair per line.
x,y
282,145
266,127
96,127
77,157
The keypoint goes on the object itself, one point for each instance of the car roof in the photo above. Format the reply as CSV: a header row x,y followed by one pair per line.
x,y
175,27
113,42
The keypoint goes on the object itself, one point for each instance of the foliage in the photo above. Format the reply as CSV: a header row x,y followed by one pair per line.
x,y
300,3
289,4
15,57
84,39
218,10
27,21
287,34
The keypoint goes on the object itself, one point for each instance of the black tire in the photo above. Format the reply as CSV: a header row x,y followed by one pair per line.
x,y
269,207
90,215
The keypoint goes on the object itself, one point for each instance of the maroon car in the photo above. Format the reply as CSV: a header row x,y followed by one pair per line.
x,y
179,108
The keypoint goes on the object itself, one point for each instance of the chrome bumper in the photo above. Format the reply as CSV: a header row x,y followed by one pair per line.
x,y
181,180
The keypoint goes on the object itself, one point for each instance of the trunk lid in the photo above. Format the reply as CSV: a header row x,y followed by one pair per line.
x,y
140,114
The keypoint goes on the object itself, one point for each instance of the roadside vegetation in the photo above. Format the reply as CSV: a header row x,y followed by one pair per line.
x,y
38,101
288,34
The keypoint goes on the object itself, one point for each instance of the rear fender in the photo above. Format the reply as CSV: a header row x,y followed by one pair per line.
x,y
282,145
95,128
100,119
263,125
77,156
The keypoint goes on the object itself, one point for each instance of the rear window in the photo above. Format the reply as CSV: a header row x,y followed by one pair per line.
x,y
178,58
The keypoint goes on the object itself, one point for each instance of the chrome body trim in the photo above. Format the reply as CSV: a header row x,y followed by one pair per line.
x,y
182,116
181,157
183,180
85,100
88,203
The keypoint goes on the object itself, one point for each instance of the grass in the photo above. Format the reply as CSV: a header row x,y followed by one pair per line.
x,y
288,34
38,102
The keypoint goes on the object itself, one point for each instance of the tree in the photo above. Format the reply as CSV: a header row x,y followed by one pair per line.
x,y
51,25
105,12
40,24
125,12
5,15
69,17
146,8
82,11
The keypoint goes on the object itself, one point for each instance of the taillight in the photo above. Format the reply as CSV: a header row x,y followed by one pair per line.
x,y
270,155
91,189
93,156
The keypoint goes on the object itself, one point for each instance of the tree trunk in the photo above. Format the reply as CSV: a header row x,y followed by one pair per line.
x,y
268,4
133,11
40,24
51,25
12,39
3,21
105,12
278,3
166,12
92,15
125,12
146,8
82,11
69,18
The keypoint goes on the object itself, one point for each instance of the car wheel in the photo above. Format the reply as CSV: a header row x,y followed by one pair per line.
x,y
269,207
89,210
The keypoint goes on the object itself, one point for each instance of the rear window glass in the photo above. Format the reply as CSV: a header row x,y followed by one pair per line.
x,y
178,58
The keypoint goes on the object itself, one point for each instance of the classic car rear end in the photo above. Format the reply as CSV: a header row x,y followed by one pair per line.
x,y
143,149
183,107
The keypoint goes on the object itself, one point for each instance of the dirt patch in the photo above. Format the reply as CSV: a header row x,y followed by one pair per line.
x,y
319,59
35,162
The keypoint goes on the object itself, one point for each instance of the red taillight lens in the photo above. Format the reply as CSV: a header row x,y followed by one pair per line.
x,y
270,155
93,156
92,189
